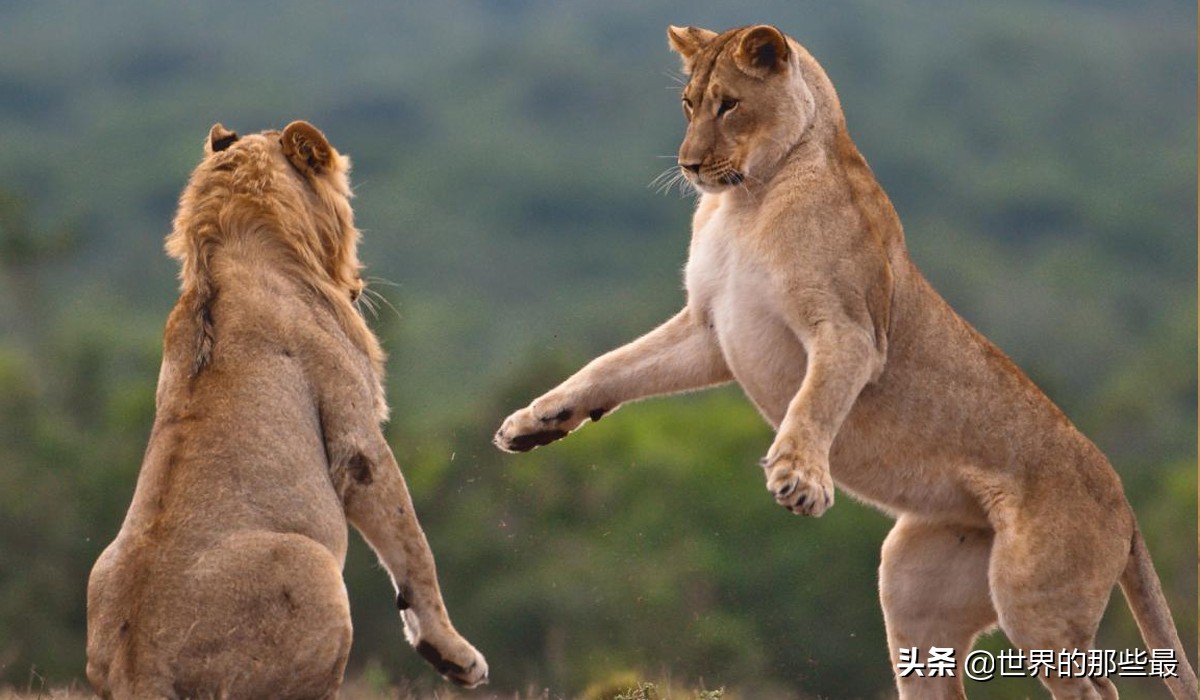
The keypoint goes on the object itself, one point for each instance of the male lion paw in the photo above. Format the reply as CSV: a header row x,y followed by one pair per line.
x,y
805,488
457,660
541,423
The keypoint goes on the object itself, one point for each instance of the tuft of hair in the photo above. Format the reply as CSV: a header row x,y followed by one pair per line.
x,y
289,189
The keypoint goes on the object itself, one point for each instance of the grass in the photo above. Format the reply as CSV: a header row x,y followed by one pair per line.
x,y
362,689
650,691
37,691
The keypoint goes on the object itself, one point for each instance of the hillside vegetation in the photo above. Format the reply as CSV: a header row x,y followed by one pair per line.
x,y
1042,155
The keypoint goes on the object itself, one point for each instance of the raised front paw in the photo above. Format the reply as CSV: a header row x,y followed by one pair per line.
x,y
455,659
802,486
541,423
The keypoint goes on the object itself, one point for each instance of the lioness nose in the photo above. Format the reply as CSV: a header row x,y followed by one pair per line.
x,y
693,167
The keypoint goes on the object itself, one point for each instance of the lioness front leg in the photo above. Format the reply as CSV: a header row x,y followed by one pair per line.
x,y
679,355
378,504
842,358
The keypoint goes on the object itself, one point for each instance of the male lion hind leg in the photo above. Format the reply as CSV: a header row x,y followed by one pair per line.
x,y
679,355
378,504
934,590
260,614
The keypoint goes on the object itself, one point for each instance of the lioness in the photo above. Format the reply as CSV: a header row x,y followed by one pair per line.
x,y
226,577
799,288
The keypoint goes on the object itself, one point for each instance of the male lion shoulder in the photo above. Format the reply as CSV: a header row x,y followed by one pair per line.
x,y
800,289
225,578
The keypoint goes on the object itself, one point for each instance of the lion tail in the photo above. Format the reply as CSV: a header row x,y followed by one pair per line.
x,y
1144,592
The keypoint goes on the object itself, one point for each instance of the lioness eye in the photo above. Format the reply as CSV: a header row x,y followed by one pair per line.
x,y
727,105
687,108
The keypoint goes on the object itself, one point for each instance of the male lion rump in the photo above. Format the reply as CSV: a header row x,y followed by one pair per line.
x,y
225,578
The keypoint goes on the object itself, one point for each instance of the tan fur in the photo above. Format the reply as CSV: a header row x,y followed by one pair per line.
x,y
225,578
801,290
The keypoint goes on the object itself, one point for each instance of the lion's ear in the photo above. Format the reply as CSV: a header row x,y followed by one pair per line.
x,y
762,51
219,138
687,42
307,148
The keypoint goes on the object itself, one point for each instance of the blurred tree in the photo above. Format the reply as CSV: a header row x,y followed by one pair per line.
x,y
1041,154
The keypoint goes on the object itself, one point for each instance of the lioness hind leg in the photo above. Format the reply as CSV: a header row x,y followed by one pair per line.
x,y
934,590
1051,580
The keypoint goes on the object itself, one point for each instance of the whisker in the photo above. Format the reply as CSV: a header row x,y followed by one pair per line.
x,y
363,303
679,79
370,299
685,186
380,280
677,179
377,297
665,180
664,174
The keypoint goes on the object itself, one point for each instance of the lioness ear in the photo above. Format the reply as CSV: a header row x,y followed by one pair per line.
x,y
220,138
307,148
687,42
763,50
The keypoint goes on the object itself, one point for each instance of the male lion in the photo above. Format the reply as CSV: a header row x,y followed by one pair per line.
x,y
226,577
800,289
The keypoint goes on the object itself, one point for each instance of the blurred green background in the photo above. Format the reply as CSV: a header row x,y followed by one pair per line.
x,y
1042,155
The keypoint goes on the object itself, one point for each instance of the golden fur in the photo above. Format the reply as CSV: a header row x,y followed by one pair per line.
x,y
801,290
225,578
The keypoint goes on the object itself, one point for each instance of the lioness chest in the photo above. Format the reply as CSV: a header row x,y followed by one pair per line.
x,y
730,288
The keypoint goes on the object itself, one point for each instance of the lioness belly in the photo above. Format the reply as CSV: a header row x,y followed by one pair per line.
x,y
765,357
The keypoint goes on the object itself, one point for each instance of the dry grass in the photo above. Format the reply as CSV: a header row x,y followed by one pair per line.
x,y
33,693
362,689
